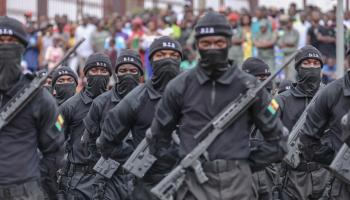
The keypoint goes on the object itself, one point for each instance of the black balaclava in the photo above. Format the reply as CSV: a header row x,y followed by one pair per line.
x,y
257,68
64,91
11,54
10,65
308,79
165,69
97,84
214,61
127,82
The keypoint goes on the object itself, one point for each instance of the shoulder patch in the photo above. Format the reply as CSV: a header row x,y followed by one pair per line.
x,y
59,122
273,107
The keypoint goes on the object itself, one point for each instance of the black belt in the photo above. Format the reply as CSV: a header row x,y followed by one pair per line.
x,y
81,168
218,166
308,167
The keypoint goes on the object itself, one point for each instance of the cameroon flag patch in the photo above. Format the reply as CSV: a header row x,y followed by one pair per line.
x,y
273,107
59,122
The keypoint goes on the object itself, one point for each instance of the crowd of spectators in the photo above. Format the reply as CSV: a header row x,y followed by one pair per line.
x,y
271,34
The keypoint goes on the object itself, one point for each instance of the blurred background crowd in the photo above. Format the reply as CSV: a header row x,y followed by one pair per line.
x,y
269,33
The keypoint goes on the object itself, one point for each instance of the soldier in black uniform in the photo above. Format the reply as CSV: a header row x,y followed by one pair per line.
x,y
259,69
48,83
135,113
77,175
38,126
64,83
264,179
129,72
194,98
321,134
308,180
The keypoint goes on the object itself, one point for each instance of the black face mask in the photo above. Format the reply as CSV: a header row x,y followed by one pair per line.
x,y
214,61
96,84
308,80
126,83
10,65
64,91
163,71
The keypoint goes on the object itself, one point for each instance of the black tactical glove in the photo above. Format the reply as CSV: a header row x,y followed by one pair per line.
x,y
105,148
313,150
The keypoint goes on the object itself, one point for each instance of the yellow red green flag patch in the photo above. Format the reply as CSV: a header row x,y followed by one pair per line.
x,y
273,107
59,122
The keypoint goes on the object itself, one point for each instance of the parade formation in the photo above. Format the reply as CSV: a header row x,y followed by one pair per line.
x,y
225,129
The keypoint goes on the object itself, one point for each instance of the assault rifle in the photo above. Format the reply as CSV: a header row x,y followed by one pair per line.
x,y
141,159
340,166
171,183
292,157
25,94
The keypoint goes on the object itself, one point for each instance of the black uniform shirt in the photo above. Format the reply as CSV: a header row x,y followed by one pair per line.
x,y
34,127
135,112
332,104
98,111
192,99
74,110
292,104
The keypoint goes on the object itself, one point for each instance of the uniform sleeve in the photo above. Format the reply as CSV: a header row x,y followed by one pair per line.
x,y
64,110
317,116
50,126
167,112
51,137
265,115
118,123
92,120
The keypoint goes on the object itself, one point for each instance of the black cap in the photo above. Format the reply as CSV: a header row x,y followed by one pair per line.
x,y
213,23
164,43
284,85
98,60
308,52
255,67
129,56
12,27
64,70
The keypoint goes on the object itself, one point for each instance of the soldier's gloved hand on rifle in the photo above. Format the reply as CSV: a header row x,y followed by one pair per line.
x,y
105,148
313,150
345,123
263,153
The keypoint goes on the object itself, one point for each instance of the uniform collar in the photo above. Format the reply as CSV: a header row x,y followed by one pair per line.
x,y
85,97
153,93
115,97
346,84
225,79
297,92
